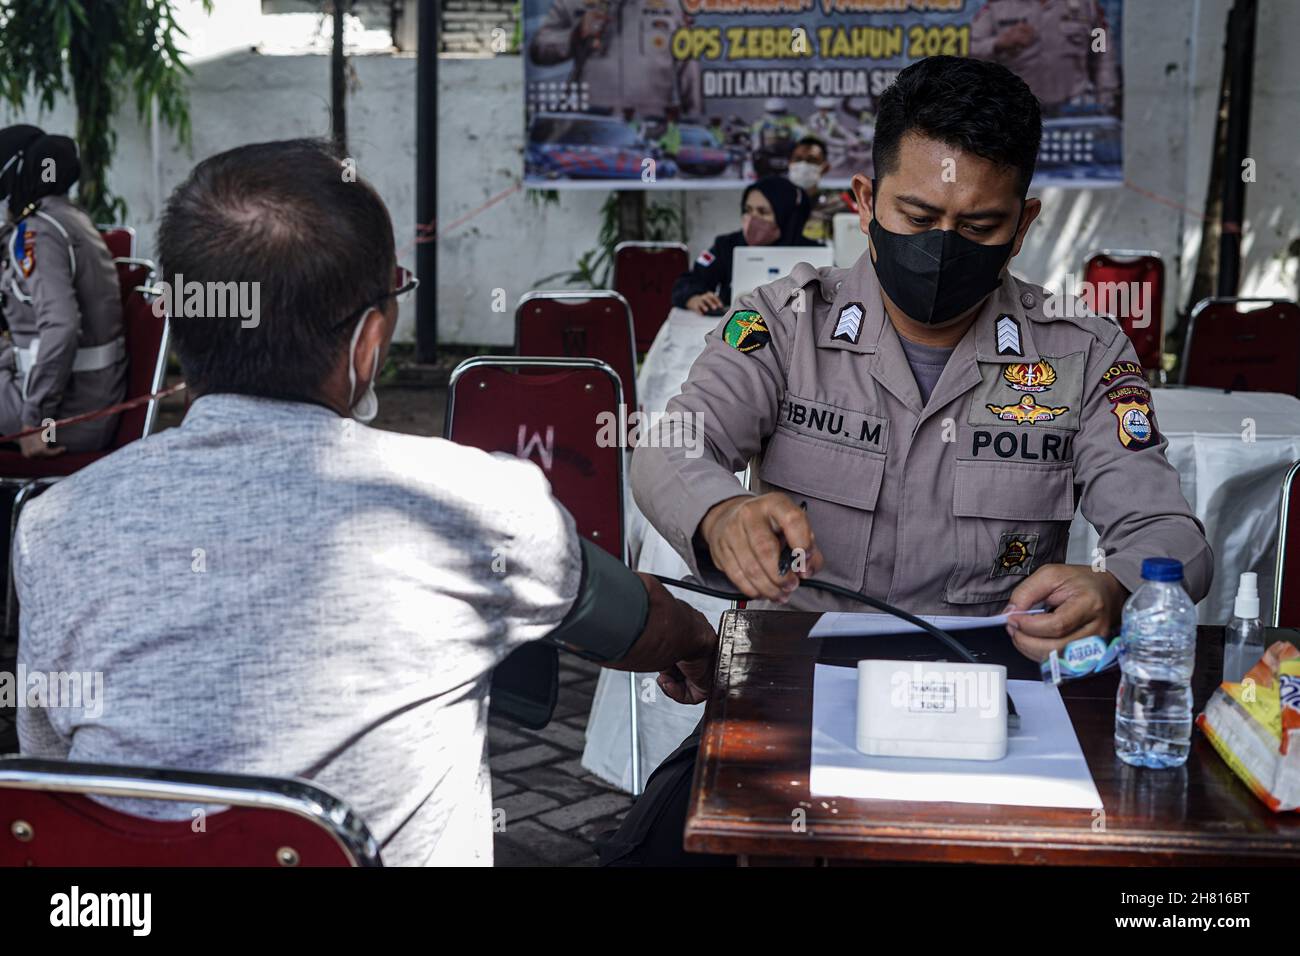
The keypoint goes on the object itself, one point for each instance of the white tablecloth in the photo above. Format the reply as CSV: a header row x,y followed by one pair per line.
x,y
1231,452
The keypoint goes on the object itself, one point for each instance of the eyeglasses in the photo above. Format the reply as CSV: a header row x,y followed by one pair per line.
x,y
404,283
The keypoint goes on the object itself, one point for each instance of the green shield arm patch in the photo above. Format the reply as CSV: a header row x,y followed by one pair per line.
x,y
746,331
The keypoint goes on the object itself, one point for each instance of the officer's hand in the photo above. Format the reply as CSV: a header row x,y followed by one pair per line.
x,y
1081,602
34,446
742,535
703,302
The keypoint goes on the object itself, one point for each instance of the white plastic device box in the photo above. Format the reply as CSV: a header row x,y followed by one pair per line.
x,y
935,709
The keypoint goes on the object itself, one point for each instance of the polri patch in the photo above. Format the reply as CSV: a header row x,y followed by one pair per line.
x,y
746,331
1016,551
1131,405
827,422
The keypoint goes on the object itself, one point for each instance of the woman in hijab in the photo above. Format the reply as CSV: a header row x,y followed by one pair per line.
x,y
773,212
61,302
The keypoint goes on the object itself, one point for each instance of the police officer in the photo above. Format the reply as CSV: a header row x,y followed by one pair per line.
x,y
65,354
621,51
937,417
1049,43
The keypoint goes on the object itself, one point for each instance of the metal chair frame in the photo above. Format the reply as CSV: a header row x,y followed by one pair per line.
x,y
284,794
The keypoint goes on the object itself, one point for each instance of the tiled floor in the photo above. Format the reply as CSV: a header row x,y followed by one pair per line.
x,y
552,810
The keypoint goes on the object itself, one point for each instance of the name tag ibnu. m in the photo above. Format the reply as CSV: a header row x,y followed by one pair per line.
x,y
832,423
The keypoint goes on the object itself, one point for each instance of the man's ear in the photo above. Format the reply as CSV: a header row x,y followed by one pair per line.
x,y
376,333
1032,208
861,187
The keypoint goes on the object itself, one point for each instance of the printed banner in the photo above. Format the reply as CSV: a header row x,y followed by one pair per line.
x,y
702,94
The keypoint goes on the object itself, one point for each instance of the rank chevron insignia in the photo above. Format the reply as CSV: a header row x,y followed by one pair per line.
x,y
1008,336
849,325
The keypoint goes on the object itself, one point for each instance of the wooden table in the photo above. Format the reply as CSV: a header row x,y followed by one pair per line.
x,y
752,777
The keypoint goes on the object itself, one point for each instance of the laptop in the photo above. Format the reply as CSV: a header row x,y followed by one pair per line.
x,y
753,266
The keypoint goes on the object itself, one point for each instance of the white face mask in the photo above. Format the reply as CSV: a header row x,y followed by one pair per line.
x,y
805,175
365,408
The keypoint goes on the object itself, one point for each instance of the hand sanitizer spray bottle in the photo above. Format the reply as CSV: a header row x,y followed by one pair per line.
x,y
1245,639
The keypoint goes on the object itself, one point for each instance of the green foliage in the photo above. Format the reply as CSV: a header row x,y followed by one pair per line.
x,y
97,51
595,266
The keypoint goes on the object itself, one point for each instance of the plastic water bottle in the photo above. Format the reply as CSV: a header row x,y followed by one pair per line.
x,y
1244,644
1153,709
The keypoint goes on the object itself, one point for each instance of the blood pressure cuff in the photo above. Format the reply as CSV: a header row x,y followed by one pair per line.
x,y
609,612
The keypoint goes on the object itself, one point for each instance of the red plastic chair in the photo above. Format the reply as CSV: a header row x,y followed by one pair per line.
x,y
644,273
596,324
548,411
119,239
1286,580
48,819
1243,351
1130,285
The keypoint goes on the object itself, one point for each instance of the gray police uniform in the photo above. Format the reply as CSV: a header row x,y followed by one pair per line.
x,y
1058,64
634,66
63,306
942,506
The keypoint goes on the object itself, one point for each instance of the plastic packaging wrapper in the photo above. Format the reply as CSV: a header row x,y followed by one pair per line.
x,y
1255,727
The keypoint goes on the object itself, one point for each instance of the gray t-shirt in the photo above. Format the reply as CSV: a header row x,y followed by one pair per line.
x,y
927,362
272,589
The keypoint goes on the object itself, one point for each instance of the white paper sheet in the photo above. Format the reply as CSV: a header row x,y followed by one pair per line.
x,y
863,624
1044,765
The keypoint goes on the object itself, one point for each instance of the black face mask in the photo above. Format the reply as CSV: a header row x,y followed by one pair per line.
x,y
936,275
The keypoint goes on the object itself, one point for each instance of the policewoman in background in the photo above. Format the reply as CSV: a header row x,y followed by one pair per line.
x,y
773,212
65,354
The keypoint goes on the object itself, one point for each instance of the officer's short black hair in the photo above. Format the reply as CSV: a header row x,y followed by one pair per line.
x,y
978,106
318,241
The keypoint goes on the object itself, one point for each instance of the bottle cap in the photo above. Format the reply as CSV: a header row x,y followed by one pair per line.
x,y
1162,569
1246,605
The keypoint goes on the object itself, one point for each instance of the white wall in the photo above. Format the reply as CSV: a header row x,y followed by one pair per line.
x,y
1173,56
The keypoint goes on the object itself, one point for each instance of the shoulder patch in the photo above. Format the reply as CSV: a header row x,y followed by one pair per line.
x,y
705,260
1008,336
848,327
1120,370
1131,405
746,331
25,248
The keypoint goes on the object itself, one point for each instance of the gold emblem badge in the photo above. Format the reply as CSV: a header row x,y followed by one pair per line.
x,y
1024,377
1017,554
1027,411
